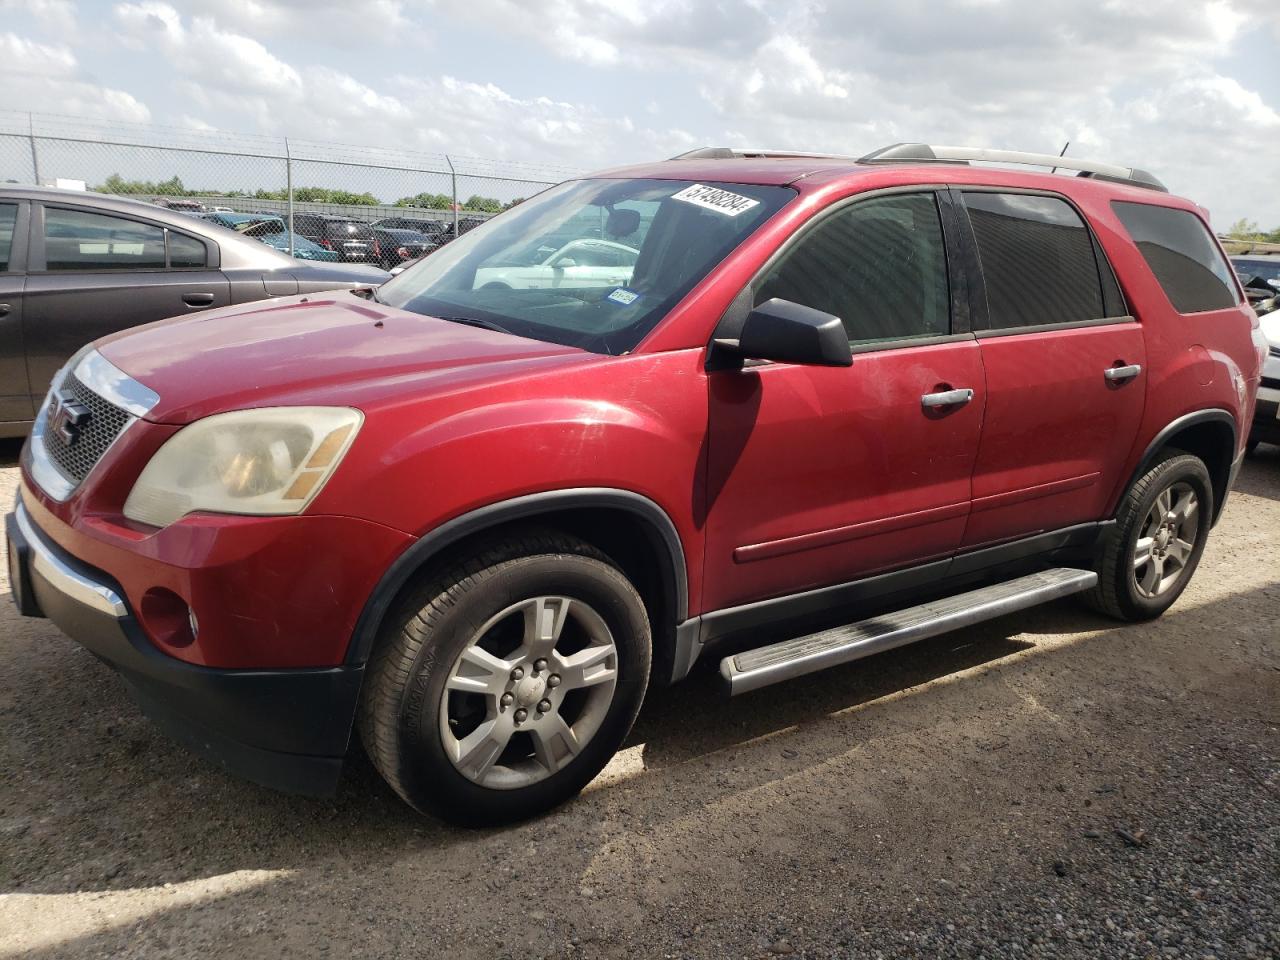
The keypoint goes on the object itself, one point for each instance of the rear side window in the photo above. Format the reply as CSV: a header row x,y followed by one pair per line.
x,y
1038,261
879,265
1181,253
8,217
185,252
79,240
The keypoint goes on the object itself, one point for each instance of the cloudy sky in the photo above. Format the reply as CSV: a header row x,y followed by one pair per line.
x,y
1189,89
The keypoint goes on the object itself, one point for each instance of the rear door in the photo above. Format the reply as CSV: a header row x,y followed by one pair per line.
x,y
15,393
822,475
93,272
1065,367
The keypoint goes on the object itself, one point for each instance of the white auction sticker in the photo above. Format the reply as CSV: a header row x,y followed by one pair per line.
x,y
714,198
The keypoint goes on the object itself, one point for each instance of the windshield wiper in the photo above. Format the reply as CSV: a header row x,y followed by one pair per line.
x,y
478,322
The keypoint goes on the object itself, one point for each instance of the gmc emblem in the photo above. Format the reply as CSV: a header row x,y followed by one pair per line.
x,y
69,416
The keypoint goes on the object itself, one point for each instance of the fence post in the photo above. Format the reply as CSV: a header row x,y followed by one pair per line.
x,y
288,179
453,178
31,136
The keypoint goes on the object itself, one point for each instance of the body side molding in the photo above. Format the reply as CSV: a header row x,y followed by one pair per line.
x,y
660,525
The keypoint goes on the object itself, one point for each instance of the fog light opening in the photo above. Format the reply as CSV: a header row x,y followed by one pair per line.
x,y
168,620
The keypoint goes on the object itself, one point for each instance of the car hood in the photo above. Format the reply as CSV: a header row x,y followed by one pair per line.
x,y
329,349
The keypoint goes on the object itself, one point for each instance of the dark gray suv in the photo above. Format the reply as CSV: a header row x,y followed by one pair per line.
x,y
76,266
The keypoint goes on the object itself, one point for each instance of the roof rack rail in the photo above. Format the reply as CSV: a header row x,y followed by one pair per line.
x,y
744,153
917,152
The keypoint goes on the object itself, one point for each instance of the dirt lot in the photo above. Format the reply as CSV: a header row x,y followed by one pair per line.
x,y
967,797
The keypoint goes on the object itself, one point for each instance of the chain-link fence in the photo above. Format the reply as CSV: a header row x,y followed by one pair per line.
x,y
208,170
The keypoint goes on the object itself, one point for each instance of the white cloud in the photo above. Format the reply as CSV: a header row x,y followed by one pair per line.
x,y
56,15
33,73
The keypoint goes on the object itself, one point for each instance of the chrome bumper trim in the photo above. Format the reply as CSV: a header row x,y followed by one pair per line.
x,y
61,577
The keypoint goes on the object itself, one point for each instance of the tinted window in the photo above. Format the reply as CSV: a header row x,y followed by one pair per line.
x,y
8,217
1037,260
348,228
880,266
1181,253
79,240
185,251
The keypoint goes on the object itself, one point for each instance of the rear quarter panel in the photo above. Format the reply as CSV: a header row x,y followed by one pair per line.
x,y
1201,361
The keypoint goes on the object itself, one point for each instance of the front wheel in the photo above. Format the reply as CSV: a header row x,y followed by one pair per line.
x,y
505,684
1161,529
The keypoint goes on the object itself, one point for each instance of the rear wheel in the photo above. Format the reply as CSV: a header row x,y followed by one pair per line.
x,y
506,683
1161,529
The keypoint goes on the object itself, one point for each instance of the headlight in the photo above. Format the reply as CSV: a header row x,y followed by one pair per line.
x,y
269,461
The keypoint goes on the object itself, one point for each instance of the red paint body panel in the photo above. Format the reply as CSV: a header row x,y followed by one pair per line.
x,y
1056,431
819,475
777,478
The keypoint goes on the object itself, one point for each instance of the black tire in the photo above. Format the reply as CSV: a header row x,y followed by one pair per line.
x,y
1117,593
406,676
1251,447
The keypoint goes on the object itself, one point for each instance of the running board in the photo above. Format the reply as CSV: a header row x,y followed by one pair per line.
x,y
762,666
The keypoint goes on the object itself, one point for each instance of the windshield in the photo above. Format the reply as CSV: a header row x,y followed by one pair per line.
x,y
591,263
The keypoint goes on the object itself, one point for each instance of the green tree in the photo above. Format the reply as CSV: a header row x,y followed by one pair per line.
x,y
427,201
483,204
1244,229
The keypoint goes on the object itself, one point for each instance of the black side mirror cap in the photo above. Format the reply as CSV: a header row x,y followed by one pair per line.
x,y
787,332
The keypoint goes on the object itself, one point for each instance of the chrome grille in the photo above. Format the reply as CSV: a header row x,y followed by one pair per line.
x,y
75,460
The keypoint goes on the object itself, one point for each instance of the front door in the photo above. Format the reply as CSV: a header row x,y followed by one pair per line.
x,y
1065,364
818,475
94,273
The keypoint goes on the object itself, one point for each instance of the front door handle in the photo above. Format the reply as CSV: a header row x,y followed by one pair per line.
x,y
1119,374
197,299
4,309
947,398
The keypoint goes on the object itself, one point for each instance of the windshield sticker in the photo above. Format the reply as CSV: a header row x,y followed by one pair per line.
x,y
713,198
623,296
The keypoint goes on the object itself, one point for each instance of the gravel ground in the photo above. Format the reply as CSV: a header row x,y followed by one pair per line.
x,y
1047,785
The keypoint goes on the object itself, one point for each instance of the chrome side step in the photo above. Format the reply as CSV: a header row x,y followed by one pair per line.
x,y
758,668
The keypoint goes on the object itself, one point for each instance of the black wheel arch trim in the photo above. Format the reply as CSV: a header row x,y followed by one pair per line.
x,y
1161,440
657,522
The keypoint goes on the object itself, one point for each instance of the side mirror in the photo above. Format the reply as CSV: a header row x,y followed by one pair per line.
x,y
564,262
788,332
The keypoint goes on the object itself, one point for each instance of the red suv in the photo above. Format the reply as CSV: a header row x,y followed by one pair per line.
x,y
876,399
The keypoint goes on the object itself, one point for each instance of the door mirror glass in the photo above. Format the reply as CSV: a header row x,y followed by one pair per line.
x,y
788,332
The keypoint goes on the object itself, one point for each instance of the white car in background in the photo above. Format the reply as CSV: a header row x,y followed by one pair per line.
x,y
586,262
1266,417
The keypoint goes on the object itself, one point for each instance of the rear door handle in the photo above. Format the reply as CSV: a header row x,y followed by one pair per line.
x,y
947,398
1121,373
4,309
197,299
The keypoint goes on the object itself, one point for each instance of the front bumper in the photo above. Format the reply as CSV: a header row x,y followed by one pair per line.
x,y
286,728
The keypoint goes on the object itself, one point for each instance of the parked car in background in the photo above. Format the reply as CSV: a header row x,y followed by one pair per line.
x,y
887,398
353,240
1260,274
1266,419
579,263
180,204
424,225
1263,266
398,245
76,266
270,229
